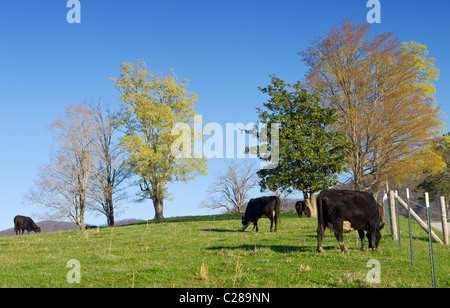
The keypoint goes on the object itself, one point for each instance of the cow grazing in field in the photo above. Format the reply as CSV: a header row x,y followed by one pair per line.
x,y
22,223
90,227
343,211
262,207
302,208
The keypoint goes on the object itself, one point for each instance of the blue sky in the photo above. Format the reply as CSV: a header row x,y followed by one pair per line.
x,y
226,48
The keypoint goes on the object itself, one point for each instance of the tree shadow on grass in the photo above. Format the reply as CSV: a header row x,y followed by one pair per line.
x,y
275,248
219,230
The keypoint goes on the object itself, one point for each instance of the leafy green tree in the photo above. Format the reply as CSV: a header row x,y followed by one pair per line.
x,y
153,104
311,154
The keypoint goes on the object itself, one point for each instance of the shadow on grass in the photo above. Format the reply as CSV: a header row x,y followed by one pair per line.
x,y
275,248
219,230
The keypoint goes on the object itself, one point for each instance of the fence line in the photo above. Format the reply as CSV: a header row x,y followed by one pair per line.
x,y
433,272
392,220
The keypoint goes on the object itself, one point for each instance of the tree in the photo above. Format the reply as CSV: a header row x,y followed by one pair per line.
x,y
311,154
383,92
153,104
230,190
62,185
107,189
439,184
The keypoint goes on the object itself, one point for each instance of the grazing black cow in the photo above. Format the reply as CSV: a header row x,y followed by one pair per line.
x,y
90,227
346,210
22,223
262,207
302,208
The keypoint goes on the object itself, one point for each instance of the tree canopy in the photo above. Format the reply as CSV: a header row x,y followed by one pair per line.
x,y
383,92
153,103
439,184
311,153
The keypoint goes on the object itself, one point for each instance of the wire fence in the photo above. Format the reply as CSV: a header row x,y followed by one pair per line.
x,y
427,248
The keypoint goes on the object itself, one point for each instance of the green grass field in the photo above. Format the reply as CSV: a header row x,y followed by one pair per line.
x,y
208,251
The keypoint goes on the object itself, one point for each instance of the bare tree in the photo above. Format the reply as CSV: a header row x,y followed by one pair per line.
x,y
230,190
107,190
62,185
283,195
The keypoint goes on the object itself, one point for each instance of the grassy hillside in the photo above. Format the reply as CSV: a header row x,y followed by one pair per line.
x,y
203,252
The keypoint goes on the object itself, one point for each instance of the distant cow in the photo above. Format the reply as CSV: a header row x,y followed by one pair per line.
x,y
302,208
90,227
344,211
262,207
22,223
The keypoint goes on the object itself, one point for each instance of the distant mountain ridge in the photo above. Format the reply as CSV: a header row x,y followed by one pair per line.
x,y
56,226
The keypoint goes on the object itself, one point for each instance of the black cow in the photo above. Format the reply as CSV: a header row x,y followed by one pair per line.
x,y
22,223
302,208
262,207
346,210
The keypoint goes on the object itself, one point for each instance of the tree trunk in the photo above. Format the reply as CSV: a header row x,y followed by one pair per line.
x,y
159,205
81,225
110,214
310,201
313,205
109,206
82,200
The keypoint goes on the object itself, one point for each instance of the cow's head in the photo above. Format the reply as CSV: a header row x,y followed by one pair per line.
x,y
37,229
245,224
377,237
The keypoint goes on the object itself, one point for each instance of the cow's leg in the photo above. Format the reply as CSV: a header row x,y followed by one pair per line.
x,y
320,232
362,237
372,231
271,225
338,232
255,225
276,217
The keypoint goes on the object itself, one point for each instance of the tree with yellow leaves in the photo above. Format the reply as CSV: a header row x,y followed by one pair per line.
x,y
383,92
152,105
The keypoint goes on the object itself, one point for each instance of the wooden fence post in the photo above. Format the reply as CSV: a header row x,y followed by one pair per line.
x,y
430,240
393,215
444,221
411,246
419,220
398,221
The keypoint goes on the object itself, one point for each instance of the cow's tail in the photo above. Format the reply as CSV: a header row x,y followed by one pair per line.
x,y
277,209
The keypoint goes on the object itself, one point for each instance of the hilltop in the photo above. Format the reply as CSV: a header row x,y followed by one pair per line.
x,y
202,251
57,226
